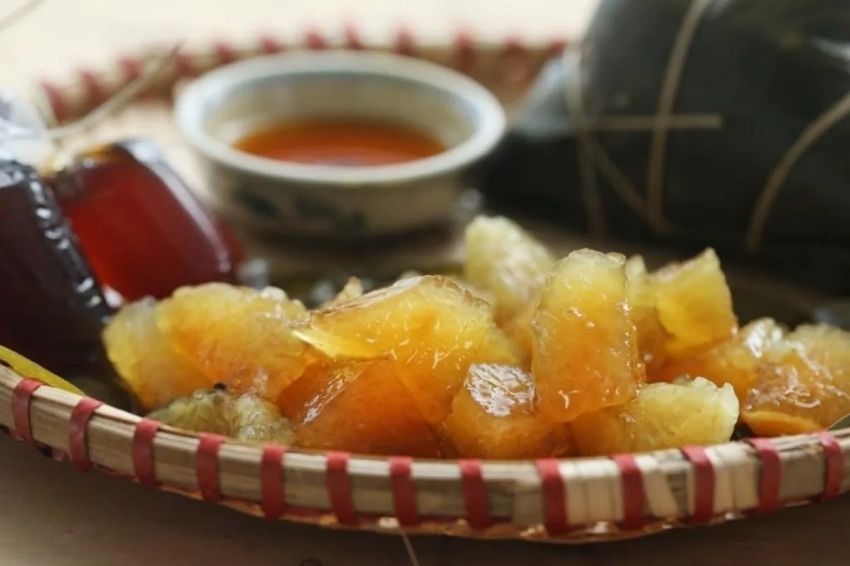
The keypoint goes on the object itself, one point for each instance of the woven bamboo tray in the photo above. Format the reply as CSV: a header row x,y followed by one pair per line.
x,y
570,500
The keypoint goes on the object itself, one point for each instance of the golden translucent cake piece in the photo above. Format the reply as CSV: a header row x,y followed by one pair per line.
x,y
150,367
736,360
499,348
804,385
519,330
651,337
493,417
359,407
694,303
663,415
430,327
506,261
237,336
585,354
353,289
244,417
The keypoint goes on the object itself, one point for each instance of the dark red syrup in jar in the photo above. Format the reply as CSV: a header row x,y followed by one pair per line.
x,y
141,227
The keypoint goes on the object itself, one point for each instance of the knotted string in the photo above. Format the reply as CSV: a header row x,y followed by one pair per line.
x,y
776,179
591,154
666,100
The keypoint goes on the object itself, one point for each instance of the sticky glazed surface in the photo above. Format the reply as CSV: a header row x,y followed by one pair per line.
x,y
591,354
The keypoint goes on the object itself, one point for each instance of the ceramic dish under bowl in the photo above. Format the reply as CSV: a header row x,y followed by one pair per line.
x,y
329,200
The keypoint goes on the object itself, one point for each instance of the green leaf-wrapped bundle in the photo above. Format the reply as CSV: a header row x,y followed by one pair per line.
x,y
719,122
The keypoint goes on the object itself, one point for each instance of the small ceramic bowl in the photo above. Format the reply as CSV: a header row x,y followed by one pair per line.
x,y
324,200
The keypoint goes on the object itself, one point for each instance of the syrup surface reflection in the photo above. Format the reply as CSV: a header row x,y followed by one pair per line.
x,y
342,143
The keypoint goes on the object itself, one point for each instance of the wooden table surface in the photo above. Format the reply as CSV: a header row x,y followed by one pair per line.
x,y
52,515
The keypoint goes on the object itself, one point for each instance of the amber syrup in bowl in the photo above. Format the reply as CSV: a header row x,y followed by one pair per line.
x,y
347,143
338,145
